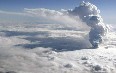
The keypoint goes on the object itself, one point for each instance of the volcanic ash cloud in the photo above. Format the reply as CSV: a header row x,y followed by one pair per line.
x,y
90,14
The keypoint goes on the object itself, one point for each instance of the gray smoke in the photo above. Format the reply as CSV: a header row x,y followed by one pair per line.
x,y
90,14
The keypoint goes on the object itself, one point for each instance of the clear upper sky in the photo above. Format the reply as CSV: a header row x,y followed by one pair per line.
x,y
107,7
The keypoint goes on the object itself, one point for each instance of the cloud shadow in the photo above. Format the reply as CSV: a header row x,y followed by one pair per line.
x,y
57,44
22,33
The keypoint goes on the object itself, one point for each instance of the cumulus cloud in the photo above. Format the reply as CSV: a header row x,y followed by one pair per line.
x,y
84,10
90,14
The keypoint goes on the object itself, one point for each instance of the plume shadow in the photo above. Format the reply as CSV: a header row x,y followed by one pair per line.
x,y
57,44
22,33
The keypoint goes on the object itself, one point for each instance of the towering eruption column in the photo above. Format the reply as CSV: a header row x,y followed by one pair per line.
x,y
90,14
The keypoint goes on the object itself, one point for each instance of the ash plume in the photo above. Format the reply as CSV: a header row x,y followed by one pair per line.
x,y
90,14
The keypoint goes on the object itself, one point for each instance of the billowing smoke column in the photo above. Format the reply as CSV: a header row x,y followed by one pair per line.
x,y
91,16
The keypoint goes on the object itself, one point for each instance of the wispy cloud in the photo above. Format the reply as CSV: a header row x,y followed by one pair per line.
x,y
13,13
46,16
61,17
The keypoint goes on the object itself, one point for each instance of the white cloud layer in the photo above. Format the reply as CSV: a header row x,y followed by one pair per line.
x,y
34,48
49,48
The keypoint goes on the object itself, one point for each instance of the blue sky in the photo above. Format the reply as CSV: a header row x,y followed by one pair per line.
x,y
107,7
